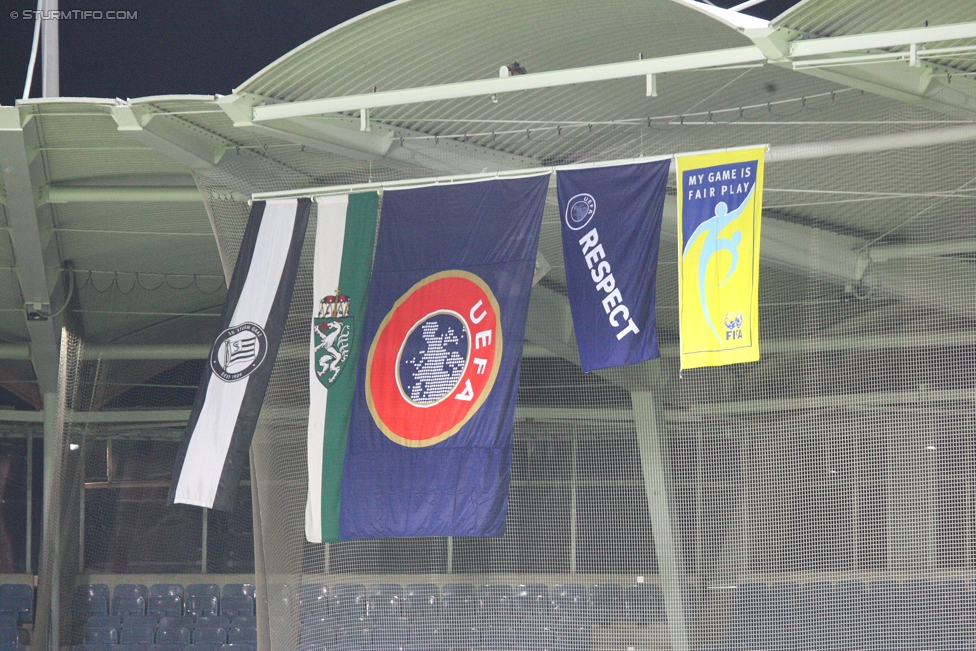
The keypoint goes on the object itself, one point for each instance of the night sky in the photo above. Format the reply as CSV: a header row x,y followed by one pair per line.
x,y
190,47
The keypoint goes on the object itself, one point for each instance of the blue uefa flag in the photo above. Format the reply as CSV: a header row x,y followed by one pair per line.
x,y
430,438
611,226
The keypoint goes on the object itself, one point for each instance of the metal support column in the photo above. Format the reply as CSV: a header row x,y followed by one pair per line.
x,y
203,546
665,545
30,503
51,515
50,51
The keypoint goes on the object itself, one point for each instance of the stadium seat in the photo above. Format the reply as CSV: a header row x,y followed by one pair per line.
x,y
953,614
93,647
534,633
572,634
8,620
167,647
383,602
12,646
606,603
349,604
238,590
459,605
390,635
178,621
17,599
202,590
244,621
568,601
201,606
140,635
209,635
172,636
233,605
139,621
242,636
109,621
168,606
496,604
644,604
421,602
91,599
101,635
166,590
313,601
426,638
238,646
132,647
218,621
127,605
202,646
131,590
8,634
352,637
532,601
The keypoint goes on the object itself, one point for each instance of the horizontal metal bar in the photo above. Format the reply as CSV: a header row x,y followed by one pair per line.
x,y
15,351
148,351
605,72
878,40
151,194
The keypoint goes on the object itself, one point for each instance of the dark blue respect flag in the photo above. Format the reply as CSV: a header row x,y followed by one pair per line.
x,y
611,226
429,449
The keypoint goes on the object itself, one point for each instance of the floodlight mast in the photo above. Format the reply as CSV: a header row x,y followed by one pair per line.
x,y
50,50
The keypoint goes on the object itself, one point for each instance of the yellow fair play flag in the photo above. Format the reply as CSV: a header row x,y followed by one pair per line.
x,y
719,210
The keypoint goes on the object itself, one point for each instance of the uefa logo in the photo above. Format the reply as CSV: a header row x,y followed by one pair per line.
x,y
434,359
579,211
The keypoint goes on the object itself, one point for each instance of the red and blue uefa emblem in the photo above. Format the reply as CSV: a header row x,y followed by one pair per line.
x,y
434,358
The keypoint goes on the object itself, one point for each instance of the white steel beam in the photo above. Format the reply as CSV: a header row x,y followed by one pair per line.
x,y
37,259
480,87
878,40
128,194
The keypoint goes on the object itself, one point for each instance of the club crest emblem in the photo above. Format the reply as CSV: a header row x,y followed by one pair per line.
x,y
434,359
332,339
238,351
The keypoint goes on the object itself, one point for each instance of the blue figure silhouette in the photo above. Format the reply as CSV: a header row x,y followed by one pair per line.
x,y
710,229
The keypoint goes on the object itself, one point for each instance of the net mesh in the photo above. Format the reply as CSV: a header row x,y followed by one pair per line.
x,y
819,498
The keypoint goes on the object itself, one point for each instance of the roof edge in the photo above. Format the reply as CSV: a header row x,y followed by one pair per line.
x,y
242,88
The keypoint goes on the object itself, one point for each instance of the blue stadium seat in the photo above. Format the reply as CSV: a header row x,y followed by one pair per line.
x,y
238,590
313,601
532,601
426,638
166,647
166,590
91,599
101,635
202,590
244,621
391,634
568,601
17,599
845,624
173,635
954,616
201,606
126,605
93,647
349,604
238,646
110,621
8,620
242,636
12,646
812,615
383,601
140,621
497,637
210,635
421,602
233,605
644,604
878,613
572,634
352,637
131,590
8,634
169,606
459,605
176,621
606,603
218,621
140,635
496,604
132,647
202,646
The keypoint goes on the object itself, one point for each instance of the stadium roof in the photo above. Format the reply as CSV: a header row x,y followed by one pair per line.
x,y
125,191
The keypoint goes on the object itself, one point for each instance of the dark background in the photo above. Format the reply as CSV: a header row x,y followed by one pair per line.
x,y
187,47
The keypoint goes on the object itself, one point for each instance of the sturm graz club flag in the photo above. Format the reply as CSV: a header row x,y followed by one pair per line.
x,y
218,435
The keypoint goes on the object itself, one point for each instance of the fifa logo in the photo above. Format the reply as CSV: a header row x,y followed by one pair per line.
x,y
733,326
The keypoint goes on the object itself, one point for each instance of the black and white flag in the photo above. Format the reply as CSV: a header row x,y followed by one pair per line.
x,y
218,435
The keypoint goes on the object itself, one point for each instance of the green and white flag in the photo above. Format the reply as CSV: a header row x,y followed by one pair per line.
x,y
343,261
